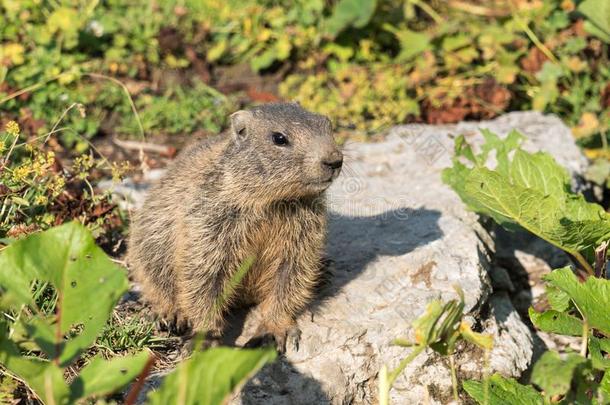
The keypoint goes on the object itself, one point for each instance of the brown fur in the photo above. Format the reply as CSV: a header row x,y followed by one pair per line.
x,y
233,197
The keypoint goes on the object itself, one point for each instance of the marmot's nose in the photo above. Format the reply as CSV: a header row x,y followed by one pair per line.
x,y
334,161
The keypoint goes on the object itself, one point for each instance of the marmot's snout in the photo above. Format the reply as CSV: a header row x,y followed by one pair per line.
x,y
332,163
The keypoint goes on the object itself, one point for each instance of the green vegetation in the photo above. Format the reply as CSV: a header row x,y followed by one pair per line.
x,y
207,378
532,191
77,73
63,324
366,63
56,302
440,328
38,191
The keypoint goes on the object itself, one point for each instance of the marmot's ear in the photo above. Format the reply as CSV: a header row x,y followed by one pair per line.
x,y
239,123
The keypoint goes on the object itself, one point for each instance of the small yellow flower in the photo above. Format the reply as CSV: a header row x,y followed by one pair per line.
x,y
12,128
2,147
48,218
119,170
22,172
57,185
41,200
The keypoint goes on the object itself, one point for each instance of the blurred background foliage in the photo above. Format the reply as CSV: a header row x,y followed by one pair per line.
x,y
73,72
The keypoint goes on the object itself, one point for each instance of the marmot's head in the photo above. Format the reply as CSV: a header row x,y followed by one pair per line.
x,y
283,151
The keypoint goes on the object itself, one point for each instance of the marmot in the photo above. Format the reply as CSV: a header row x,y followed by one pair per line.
x,y
253,194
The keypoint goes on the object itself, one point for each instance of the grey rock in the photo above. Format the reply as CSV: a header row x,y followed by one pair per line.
x,y
130,193
398,238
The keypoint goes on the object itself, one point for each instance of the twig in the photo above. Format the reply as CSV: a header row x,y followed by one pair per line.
x,y
61,117
132,396
126,90
36,86
145,146
478,10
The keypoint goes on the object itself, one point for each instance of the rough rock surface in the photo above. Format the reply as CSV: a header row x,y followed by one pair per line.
x,y
398,238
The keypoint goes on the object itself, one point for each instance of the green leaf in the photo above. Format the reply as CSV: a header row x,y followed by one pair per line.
x,y
208,377
87,282
503,391
279,51
439,326
530,191
102,377
554,374
599,349
217,50
598,15
558,300
412,43
591,298
456,42
346,13
482,340
63,19
556,322
540,172
604,387
44,377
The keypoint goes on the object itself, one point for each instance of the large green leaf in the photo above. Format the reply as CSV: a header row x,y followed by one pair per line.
x,y
346,13
101,377
88,286
208,377
591,298
412,43
598,15
555,374
556,322
527,190
44,377
502,391
599,349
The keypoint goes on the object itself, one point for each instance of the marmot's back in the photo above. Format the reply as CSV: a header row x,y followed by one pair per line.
x,y
153,234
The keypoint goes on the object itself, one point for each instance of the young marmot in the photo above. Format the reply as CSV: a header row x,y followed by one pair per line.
x,y
254,193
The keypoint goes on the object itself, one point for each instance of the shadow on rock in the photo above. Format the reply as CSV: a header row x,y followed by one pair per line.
x,y
281,383
356,242
526,259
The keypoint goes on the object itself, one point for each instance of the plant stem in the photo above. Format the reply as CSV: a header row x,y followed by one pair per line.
x,y
428,10
585,338
531,35
486,378
454,379
132,396
581,260
126,90
384,386
392,376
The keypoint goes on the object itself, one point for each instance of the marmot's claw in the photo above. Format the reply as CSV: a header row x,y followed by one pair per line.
x,y
294,337
263,340
172,326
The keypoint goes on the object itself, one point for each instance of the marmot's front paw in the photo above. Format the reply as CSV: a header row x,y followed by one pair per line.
x,y
290,337
293,338
263,340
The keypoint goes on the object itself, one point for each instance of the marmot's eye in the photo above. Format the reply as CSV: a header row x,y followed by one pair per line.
x,y
279,139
